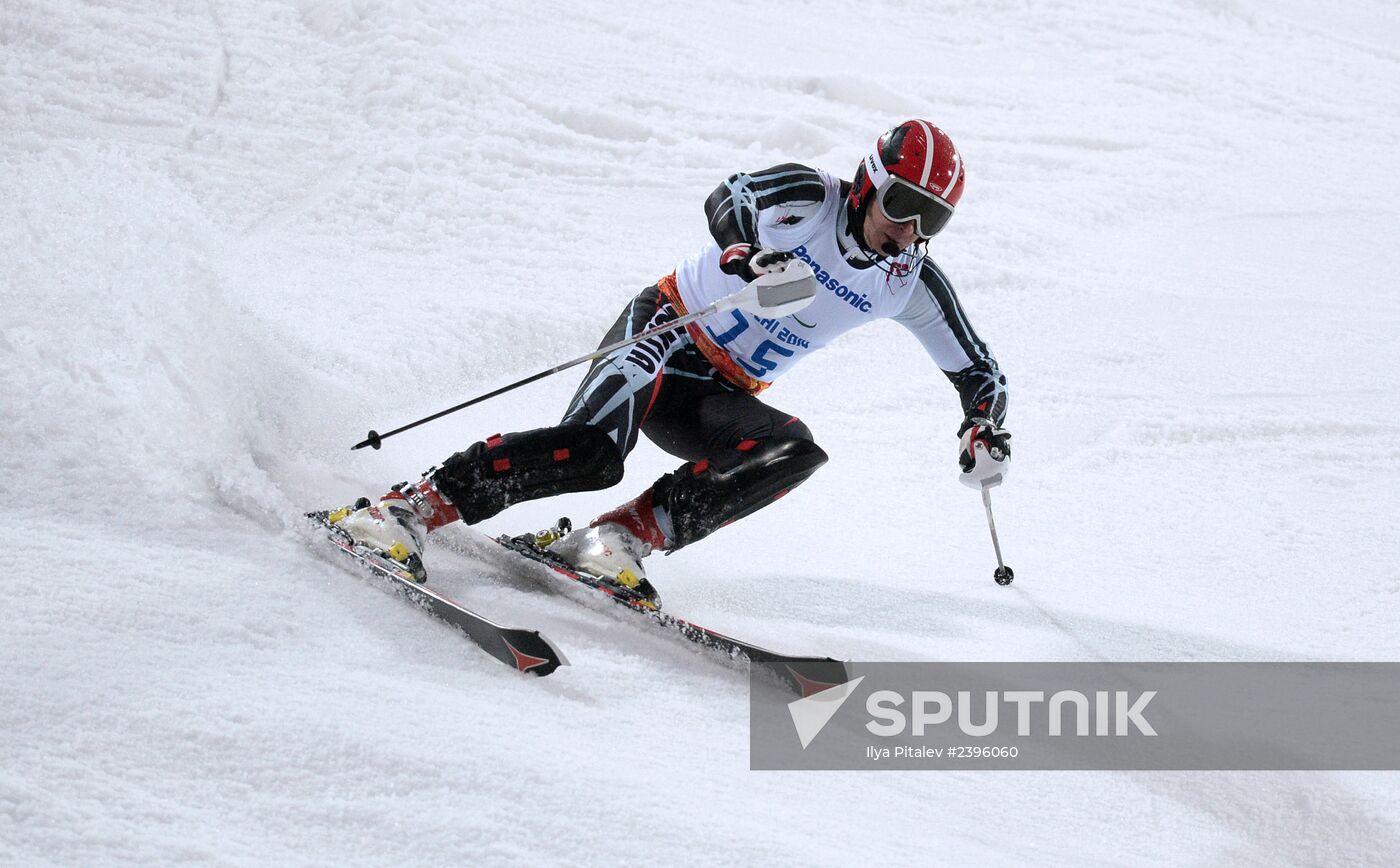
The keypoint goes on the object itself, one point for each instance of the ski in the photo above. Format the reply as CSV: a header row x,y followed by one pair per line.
x,y
525,650
805,675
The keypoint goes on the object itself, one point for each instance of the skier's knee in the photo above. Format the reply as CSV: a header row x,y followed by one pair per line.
x,y
507,469
795,429
705,495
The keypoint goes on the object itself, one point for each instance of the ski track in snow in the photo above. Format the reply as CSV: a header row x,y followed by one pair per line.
x,y
239,234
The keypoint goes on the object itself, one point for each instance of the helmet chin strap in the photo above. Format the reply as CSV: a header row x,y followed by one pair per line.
x,y
855,225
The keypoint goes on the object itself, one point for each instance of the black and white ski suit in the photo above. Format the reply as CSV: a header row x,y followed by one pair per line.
x,y
696,392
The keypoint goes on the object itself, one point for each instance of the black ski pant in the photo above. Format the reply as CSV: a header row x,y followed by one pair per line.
x,y
741,454
666,389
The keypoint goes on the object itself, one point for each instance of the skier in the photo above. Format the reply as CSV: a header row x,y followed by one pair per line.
x,y
694,392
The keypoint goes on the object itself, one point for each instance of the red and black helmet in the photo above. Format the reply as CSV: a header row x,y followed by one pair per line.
x,y
914,173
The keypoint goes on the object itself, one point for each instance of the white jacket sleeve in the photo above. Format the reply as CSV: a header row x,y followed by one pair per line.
x,y
936,318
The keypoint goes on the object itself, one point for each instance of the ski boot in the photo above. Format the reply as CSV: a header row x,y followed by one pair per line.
x,y
385,531
396,527
612,548
608,556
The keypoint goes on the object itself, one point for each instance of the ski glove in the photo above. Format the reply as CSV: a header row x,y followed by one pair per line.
x,y
983,452
748,261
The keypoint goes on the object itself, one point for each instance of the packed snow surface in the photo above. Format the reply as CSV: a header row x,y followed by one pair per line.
x,y
236,235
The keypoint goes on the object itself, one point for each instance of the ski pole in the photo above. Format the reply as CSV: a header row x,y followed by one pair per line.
x,y
773,295
1003,574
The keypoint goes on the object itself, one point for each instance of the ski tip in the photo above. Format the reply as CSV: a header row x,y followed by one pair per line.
x,y
531,653
807,677
558,655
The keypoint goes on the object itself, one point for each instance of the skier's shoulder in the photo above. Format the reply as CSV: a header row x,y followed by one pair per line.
x,y
926,294
933,280
789,170
791,184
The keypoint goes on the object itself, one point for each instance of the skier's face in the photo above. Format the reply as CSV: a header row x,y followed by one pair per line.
x,y
885,235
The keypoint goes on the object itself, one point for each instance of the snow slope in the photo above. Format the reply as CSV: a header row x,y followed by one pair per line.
x,y
236,235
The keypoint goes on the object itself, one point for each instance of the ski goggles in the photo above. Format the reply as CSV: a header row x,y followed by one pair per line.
x,y
901,201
